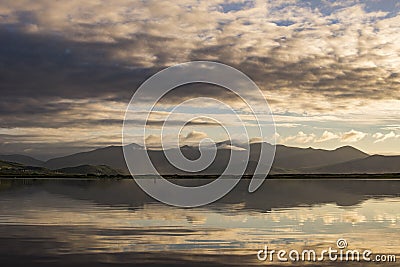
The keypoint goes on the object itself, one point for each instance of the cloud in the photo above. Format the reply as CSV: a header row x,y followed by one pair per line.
x,y
153,140
326,136
256,140
340,55
231,147
169,140
352,136
394,127
380,137
64,63
287,125
194,136
301,138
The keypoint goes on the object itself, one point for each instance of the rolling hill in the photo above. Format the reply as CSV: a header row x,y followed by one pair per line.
x,y
111,156
13,168
89,170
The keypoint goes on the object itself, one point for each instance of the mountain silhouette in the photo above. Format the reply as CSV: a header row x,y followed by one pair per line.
x,y
288,160
371,164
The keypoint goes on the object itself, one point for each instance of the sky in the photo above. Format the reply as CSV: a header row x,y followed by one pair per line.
x,y
328,69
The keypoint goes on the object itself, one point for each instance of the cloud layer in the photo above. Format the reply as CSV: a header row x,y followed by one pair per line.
x,y
74,65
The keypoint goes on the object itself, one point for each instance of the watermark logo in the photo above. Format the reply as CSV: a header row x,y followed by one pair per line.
x,y
339,254
341,243
149,94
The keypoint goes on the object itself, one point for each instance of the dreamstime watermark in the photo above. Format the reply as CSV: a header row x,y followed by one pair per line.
x,y
338,254
149,94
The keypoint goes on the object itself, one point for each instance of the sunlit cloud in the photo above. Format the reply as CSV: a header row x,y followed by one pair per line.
x,y
326,136
353,136
321,65
301,138
380,137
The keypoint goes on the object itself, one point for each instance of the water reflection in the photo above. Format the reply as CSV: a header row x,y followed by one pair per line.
x,y
60,219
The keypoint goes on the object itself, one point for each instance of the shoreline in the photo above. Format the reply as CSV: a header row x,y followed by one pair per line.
x,y
384,176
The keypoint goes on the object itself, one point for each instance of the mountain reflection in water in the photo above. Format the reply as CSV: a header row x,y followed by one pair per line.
x,y
92,222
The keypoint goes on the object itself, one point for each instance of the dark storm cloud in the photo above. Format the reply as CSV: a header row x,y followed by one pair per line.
x,y
107,52
327,76
50,66
37,69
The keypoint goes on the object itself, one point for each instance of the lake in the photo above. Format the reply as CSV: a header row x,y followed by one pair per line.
x,y
47,222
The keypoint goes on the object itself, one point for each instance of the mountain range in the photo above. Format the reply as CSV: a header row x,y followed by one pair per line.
x,y
288,160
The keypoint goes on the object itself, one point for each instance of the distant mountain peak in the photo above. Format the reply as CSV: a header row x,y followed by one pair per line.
x,y
349,148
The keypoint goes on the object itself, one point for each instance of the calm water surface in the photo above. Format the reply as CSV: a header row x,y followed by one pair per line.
x,y
67,222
